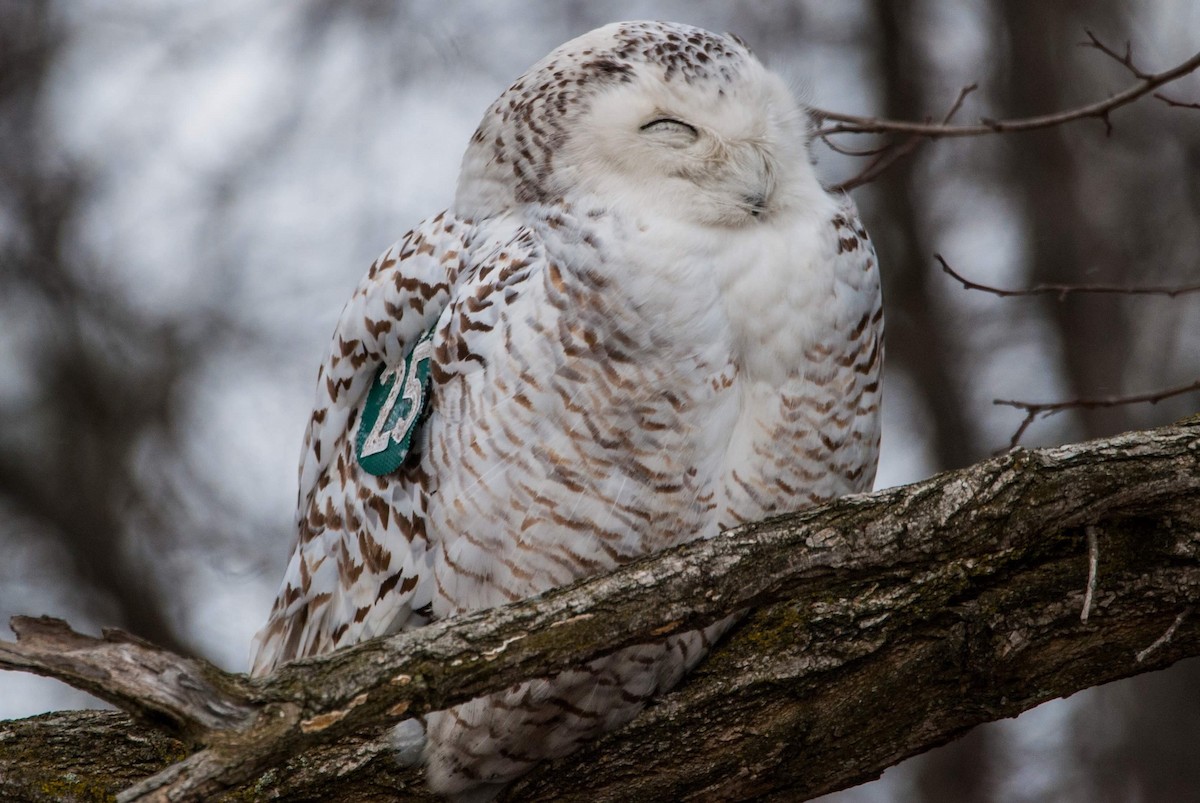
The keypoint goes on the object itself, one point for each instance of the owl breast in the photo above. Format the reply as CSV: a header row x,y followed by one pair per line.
x,y
646,395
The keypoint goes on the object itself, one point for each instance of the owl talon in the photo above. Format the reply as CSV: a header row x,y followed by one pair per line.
x,y
408,740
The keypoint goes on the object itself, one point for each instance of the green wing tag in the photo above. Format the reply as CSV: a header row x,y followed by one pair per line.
x,y
393,410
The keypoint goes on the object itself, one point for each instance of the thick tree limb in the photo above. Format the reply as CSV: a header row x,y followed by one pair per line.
x,y
186,696
884,625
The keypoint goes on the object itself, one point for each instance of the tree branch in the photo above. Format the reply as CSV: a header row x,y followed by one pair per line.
x,y
1064,290
1146,84
887,155
883,625
1035,410
1176,104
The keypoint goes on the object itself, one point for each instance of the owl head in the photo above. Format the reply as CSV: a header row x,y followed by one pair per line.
x,y
646,118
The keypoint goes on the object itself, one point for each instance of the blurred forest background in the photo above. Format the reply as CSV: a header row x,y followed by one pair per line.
x,y
190,191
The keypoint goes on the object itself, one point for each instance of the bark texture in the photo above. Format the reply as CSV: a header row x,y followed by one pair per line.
x,y
881,625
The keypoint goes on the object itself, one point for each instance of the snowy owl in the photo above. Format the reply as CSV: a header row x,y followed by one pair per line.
x,y
642,321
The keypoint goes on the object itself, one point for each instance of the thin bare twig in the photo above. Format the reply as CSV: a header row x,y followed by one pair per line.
x,y
1035,410
1063,290
1146,83
1124,59
1093,573
1178,104
861,153
886,156
1165,637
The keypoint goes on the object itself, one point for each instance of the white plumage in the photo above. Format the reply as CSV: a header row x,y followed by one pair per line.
x,y
650,323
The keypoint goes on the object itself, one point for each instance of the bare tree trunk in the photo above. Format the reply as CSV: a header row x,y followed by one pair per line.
x,y
1137,746
1064,246
67,456
919,339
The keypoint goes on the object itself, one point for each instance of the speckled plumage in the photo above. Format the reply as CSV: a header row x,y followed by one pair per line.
x,y
651,323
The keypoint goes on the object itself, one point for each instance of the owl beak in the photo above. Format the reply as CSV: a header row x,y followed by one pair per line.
x,y
758,201
756,204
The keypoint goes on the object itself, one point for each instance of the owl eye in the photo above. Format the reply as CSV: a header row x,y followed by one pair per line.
x,y
671,132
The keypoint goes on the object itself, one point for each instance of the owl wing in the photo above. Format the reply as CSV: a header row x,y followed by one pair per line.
x,y
855,422
357,563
